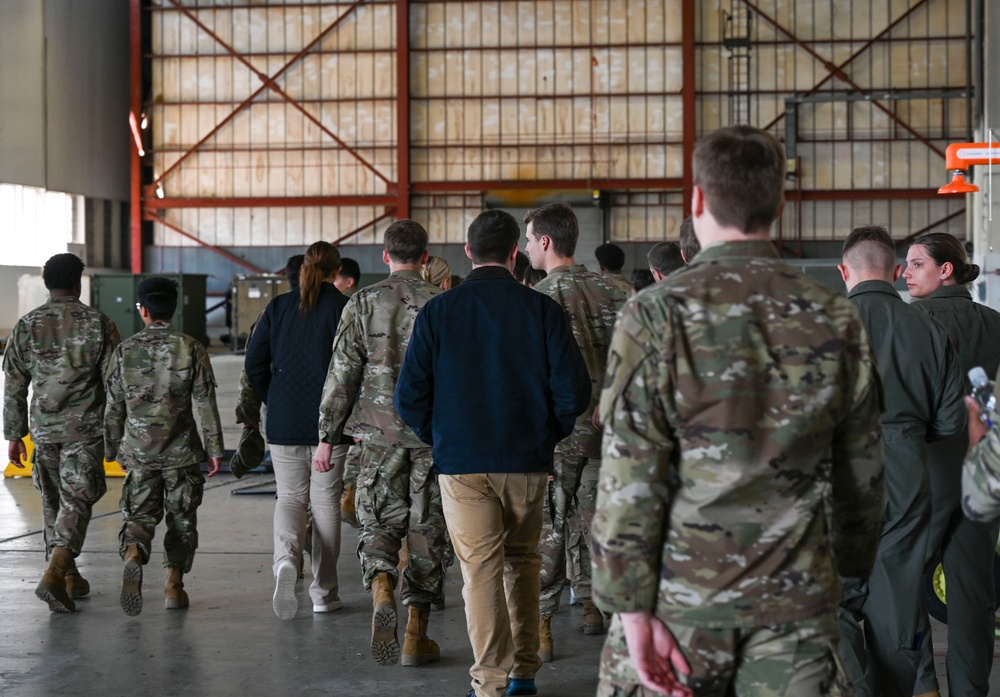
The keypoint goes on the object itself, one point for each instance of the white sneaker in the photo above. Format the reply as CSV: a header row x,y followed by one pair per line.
x,y
331,606
284,602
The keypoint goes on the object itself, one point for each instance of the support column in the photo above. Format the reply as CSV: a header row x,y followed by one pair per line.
x,y
135,105
403,108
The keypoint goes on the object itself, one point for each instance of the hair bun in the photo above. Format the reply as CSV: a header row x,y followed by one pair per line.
x,y
970,273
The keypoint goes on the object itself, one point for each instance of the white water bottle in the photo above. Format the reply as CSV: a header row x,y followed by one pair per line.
x,y
983,393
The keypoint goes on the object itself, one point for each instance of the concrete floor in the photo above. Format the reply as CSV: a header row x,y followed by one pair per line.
x,y
229,641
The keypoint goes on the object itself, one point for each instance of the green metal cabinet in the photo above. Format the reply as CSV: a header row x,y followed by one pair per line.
x,y
115,295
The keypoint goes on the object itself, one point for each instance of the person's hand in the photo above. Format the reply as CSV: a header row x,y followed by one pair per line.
x,y
214,464
321,458
595,418
15,451
977,429
655,654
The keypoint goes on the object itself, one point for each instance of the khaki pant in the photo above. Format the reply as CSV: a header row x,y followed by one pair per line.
x,y
495,521
301,488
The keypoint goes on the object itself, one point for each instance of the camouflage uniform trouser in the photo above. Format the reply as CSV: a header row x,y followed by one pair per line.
x,y
70,478
398,498
566,529
149,493
352,464
799,658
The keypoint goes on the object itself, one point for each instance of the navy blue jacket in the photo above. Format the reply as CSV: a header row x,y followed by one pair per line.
x,y
492,378
287,359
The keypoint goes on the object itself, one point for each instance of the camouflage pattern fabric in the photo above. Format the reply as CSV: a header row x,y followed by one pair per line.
x,y
352,465
153,378
591,304
62,349
248,403
565,541
368,351
70,478
742,462
620,282
981,475
778,661
398,498
147,495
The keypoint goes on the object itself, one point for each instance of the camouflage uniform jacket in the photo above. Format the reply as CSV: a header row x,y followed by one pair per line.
x,y
368,351
62,349
981,475
153,378
742,462
591,304
620,282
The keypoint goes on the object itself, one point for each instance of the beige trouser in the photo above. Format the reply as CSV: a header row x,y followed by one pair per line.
x,y
300,488
495,521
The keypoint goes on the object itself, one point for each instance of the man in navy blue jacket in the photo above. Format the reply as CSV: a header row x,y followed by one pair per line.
x,y
493,379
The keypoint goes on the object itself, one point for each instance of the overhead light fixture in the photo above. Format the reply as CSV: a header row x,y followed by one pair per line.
x,y
159,190
144,121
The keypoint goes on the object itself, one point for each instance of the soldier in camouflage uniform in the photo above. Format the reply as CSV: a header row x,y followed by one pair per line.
x,y
590,302
348,282
742,462
149,426
61,350
981,469
611,259
397,496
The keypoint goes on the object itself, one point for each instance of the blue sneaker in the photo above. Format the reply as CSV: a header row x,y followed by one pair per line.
x,y
522,687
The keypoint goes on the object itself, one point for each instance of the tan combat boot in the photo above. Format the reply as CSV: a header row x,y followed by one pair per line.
x,y
76,585
348,510
131,596
385,644
174,595
52,587
592,621
545,639
418,650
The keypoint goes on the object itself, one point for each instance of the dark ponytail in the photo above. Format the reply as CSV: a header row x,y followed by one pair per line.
x,y
322,260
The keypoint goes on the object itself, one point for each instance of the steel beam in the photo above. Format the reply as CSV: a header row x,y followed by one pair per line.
x,y
403,108
861,194
928,228
135,162
545,184
838,72
688,80
854,56
364,227
268,201
218,250
267,82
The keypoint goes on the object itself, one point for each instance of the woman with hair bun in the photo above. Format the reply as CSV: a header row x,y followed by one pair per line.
x,y
937,273
287,360
437,272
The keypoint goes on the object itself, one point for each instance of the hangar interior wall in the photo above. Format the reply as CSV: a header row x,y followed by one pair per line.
x,y
297,105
